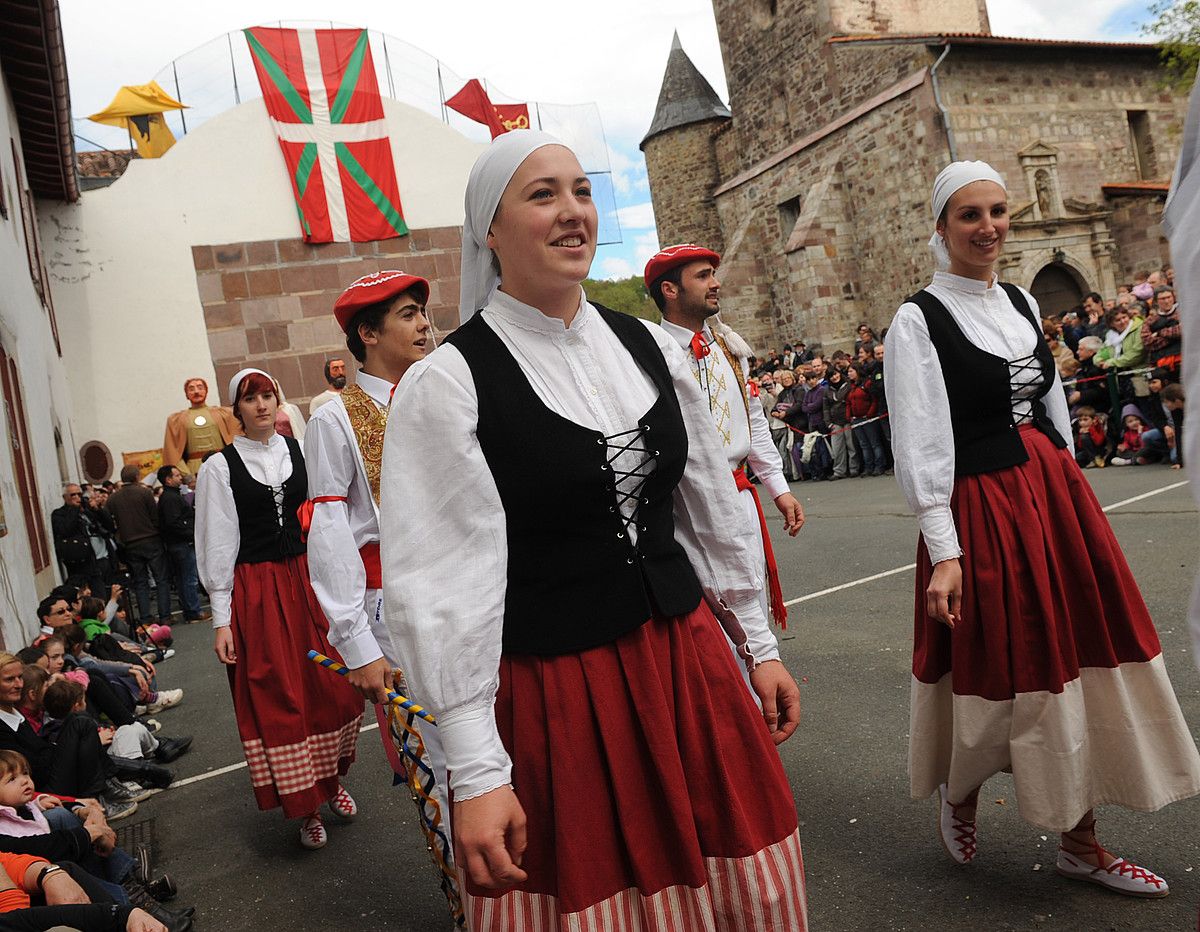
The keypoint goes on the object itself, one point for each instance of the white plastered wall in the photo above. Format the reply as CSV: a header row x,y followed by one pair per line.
x,y
124,285
26,336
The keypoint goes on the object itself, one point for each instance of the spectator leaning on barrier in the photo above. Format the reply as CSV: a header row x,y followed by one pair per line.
x,y
1162,335
1122,348
1090,386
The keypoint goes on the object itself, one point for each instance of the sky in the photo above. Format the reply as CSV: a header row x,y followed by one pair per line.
x,y
612,54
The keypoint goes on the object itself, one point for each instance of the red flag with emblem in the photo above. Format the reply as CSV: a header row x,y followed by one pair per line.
x,y
320,90
473,102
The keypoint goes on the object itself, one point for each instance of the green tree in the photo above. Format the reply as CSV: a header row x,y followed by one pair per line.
x,y
627,295
1176,26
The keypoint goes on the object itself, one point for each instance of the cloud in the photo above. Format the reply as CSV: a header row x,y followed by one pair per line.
x,y
616,267
1068,19
636,216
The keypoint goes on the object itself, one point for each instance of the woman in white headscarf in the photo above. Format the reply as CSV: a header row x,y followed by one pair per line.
x,y
298,723
1033,650
606,760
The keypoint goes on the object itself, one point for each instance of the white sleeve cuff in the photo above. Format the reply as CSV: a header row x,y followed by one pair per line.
x,y
775,484
941,537
475,756
358,650
221,603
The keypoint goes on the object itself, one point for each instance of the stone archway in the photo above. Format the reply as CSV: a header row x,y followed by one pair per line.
x,y
1057,289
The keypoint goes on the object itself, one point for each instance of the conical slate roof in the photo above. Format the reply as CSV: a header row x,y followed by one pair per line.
x,y
686,97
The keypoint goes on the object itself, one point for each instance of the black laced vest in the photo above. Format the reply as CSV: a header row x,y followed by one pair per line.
x,y
576,578
981,392
264,538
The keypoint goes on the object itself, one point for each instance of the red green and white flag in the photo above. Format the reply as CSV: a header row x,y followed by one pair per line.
x,y
320,89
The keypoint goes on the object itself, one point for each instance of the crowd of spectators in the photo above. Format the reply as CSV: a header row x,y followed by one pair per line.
x,y
1118,358
80,743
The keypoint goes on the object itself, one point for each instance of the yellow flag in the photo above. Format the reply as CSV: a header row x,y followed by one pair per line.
x,y
139,108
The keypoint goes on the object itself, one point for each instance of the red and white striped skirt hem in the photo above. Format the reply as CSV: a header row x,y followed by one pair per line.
x,y
760,893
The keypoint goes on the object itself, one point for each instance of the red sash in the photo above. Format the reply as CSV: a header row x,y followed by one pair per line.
x,y
370,557
368,552
778,609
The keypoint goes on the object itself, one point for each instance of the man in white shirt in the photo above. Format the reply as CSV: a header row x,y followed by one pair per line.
x,y
683,282
383,316
335,376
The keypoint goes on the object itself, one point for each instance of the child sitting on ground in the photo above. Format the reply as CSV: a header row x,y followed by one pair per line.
x,y
21,806
1130,446
30,706
1092,444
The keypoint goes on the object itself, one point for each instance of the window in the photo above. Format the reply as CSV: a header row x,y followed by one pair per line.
x,y
1142,144
18,441
789,214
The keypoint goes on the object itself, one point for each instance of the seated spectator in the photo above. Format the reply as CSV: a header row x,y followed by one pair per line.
x,y
1093,446
35,681
23,813
1129,447
135,675
131,742
33,656
75,765
1165,443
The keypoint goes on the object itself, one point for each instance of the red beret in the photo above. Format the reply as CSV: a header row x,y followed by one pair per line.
x,y
660,264
374,288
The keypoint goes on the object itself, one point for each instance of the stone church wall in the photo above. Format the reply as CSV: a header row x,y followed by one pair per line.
x,y
1135,226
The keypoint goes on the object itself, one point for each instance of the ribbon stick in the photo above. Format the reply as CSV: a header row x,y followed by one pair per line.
x,y
393,697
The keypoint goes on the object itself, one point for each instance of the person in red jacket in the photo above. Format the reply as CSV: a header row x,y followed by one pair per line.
x,y
861,406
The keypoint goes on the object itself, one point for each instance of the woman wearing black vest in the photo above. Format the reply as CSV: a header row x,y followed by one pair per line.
x,y
1026,658
298,724
553,549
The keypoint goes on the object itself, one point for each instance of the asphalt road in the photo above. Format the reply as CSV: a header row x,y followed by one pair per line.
x,y
872,855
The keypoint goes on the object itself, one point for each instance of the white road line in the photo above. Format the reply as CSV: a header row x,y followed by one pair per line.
x,y
1138,498
851,585
796,601
912,566
221,771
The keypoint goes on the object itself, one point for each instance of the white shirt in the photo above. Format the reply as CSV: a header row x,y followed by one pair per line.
x,y
919,407
445,552
12,718
744,440
218,537
317,400
339,529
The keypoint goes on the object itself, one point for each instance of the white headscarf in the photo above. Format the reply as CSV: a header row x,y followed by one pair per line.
x,y
237,380
492,172
950,179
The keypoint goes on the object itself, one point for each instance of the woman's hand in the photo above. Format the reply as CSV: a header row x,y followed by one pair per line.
x,y
943,598
45,802
489,837
106,737
780,697
223,645
142,921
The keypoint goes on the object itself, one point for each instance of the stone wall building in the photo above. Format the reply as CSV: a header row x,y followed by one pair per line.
x,y
814,182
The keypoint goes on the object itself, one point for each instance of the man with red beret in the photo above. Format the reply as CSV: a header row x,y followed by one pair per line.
x,y
387,330
683,282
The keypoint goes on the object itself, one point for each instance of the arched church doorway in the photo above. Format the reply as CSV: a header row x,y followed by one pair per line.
x,y
1056,290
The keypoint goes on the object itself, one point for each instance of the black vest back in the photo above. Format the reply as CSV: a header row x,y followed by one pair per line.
x,y
575,580
263,539
979,387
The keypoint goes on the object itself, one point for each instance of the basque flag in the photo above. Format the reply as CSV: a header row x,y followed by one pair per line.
x,y
320,89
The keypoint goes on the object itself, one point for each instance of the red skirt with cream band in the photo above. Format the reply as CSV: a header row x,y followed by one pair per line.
x,y
654,796
298,722
1054,671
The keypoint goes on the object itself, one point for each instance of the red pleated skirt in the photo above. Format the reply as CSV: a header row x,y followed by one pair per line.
x,y
298,721
1054,670
654,795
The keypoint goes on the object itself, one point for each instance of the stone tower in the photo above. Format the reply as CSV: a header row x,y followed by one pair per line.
x,y
783,75
681,160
